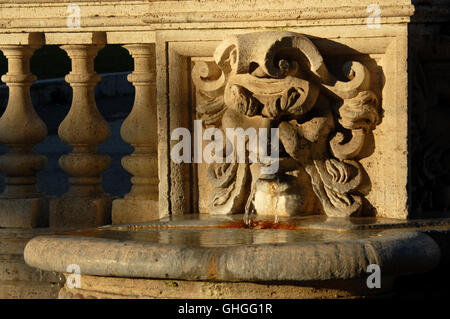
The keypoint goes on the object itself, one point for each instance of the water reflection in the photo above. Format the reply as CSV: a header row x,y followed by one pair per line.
x,y
219,237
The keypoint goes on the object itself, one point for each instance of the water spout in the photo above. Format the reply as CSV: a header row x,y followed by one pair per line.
x,y
249,208
276,193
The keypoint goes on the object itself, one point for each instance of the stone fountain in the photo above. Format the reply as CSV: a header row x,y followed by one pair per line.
x,y
335,205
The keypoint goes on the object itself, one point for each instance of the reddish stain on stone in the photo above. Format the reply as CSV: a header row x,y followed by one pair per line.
x,y
212,269
257,225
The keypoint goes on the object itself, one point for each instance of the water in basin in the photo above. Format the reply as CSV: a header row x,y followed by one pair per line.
x,y
221,232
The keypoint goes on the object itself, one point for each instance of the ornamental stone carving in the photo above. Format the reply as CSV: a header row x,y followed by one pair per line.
x,y
280,80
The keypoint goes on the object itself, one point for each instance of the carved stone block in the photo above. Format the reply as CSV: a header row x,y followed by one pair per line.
x,y
80,212
134,211
279,80
24,213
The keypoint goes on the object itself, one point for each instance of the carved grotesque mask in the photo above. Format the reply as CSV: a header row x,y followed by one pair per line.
x,y
279,80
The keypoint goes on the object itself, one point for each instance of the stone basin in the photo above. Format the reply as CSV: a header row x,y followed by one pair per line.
x,y
196,247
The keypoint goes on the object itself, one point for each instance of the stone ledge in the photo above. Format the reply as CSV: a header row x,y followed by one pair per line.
x,y
94,287
51,16
397,252
17,279
28,290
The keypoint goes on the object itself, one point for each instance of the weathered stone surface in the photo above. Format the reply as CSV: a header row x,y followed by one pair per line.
x,y
17,279
134,210
24,213
80,212
137,14
28,290
94,287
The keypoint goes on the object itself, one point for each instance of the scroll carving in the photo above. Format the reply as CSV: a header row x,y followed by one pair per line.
x,y
279,80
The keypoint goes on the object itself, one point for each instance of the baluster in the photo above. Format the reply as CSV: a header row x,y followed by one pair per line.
x,y
84,128
21,203
140,130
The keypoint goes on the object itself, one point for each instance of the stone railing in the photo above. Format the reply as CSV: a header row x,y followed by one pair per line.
x,y
85,204
166,39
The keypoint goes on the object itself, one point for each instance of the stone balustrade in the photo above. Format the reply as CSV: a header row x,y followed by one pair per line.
x,y
140,130
26,212
22,205
84,128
